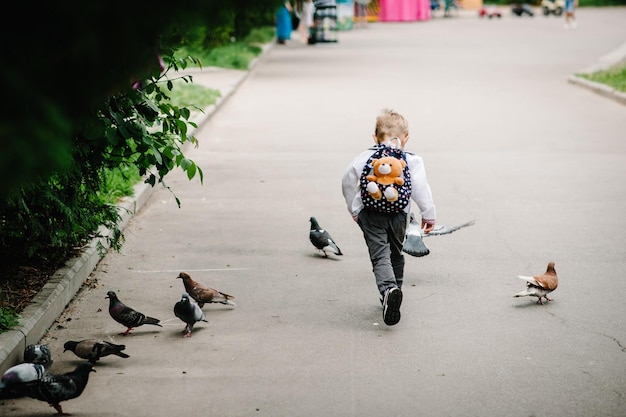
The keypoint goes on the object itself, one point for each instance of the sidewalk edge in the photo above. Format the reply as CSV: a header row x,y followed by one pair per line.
x,y
615,57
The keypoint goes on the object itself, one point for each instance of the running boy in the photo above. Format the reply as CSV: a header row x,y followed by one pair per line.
x,y
384,232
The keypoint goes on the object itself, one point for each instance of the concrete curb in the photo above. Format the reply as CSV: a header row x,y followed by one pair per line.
x,y
615,57
56,294
601,89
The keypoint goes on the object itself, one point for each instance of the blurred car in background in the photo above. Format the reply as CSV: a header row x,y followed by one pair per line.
x,y
522,9
489,10
554,7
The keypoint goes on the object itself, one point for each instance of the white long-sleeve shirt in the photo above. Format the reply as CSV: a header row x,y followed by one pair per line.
x,y
420,189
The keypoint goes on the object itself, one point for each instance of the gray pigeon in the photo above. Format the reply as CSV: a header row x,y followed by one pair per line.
x,y
94,349
17,379
39,354
54,389
127,316
322,240
188,312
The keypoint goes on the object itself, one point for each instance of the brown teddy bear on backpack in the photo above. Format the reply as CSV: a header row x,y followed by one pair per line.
x,y
386,171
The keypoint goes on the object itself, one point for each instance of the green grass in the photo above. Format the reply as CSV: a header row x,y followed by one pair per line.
x,y
119,183
236,55
192,95
614,77
8,319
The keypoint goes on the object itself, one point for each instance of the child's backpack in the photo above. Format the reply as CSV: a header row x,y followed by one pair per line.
x,y
386,181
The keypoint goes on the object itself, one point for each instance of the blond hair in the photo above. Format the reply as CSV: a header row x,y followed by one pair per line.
x,y
389,124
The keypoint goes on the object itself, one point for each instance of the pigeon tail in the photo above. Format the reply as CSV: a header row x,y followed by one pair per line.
x,y
152,320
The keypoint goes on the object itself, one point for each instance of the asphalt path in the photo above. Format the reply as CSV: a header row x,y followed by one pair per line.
x,y
538,162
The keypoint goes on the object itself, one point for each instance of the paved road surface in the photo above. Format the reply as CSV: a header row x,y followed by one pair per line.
x,y
538,162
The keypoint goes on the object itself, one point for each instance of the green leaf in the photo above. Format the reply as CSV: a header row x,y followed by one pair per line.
x,y
191,171
157,156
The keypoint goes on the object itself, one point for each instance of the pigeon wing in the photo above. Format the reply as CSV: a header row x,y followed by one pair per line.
x,y
445,230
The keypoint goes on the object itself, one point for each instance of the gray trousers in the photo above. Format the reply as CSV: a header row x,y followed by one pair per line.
x,y
384,235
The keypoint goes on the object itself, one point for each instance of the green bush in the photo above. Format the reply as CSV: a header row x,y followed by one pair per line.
x,y
135,134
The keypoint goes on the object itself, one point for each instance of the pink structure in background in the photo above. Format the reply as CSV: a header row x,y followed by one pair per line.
x,y
404,10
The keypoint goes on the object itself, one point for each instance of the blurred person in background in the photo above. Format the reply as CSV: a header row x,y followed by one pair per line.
x,y
570,18
284,25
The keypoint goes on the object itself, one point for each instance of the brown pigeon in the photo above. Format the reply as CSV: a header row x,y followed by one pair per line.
x,y
541,285
203,294
94,349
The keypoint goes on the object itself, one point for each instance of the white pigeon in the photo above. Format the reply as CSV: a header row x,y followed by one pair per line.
x,y
541,285
322,240
18,379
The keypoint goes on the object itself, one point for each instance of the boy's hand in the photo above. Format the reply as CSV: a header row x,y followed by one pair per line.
x,y
428,226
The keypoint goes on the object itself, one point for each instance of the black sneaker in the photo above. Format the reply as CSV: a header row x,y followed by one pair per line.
x,y
391,306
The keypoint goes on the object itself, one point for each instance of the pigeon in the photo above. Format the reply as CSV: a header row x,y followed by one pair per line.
x,y
540,285
188,312
322,240
413,243
39,354
17,379
93,349
54,389
127,316
203,294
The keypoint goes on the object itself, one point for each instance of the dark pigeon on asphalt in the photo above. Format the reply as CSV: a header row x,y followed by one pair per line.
x,y
190,313
55,389
322,240
17,379
127,316
39,354
203,294
94,349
